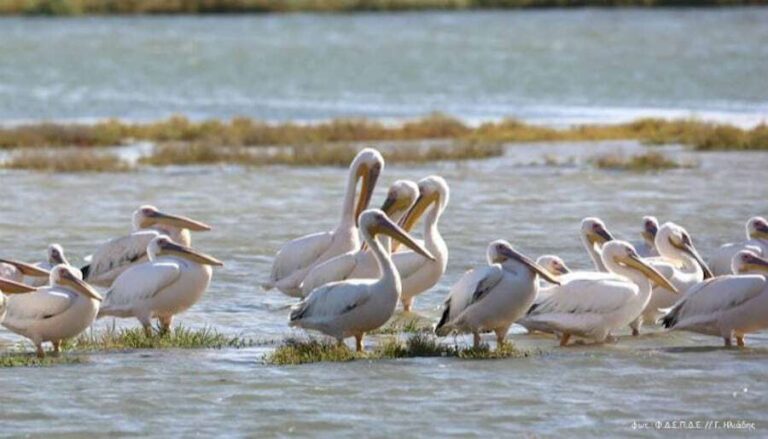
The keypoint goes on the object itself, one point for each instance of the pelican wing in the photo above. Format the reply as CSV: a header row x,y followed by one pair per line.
x,y
335,269
331,300
704,302
42,304
139,283
470,288
117,254
299,253
600,294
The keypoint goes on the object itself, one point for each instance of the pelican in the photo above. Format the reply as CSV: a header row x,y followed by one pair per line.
x,y
10,287
757,239
419,273
591,305
594,235
553,264
116,255
360,263
494,296
174,279
726,306
355,306
53,313
296,258
17,271
680,263
55,256
647,247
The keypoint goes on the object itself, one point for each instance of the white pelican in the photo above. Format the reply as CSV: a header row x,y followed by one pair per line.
x,y
360,263
53,313
10,287
355,306
647,247
116,255
55,256
296,258
494,296
594,235
757,239
174,279
679,263
726,306
419,273
553,264
17,271
591,305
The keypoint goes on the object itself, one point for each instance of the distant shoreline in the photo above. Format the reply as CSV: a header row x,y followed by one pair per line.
x,y
152,7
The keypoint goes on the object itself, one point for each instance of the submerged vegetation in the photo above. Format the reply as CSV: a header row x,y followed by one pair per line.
x,y
112,339
295,351
180,141
76,7
649,161
29,359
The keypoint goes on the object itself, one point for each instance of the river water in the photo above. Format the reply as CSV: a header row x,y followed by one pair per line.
x,y
387,66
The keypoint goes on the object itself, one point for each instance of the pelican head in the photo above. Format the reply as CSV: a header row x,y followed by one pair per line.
x,y
650,228
594,231
501,252
374,222
432,190
757,228
553,264
163,245
56,255
673,239
623,254
8,286
748,261
401,196
148,216
68,277
366,166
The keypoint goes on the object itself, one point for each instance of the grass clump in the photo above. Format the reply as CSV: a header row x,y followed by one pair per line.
x,y
28,359
297,351
645,162
70,161
179,337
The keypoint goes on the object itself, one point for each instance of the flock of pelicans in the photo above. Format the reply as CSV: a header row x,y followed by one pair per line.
x,y
348,288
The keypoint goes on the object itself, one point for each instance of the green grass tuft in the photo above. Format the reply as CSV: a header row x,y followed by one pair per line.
x,y
179,337
297,351
27,359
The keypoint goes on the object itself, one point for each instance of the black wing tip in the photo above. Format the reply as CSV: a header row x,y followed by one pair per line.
x,y
670,319
532,308
444,317
85,270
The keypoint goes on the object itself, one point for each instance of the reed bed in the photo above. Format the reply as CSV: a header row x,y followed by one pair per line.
x,y
645,162
179,337
78,7
66,161
295,351
244,132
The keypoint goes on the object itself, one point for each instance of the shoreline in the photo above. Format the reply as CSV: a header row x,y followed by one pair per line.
x,y
220,7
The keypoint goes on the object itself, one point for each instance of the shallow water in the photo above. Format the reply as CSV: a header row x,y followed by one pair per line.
x,y
548,66
581,391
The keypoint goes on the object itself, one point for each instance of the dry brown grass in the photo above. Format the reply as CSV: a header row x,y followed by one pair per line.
x,y
78,160
648,161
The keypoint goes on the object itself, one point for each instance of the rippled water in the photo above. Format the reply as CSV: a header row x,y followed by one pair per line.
x,y
581,390
548,66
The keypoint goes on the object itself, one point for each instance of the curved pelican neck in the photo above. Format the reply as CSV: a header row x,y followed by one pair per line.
x,y
433,240
688,265
388,271
348,205
594,254
635,276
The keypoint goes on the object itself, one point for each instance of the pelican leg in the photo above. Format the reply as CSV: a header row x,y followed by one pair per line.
x,y
475,340
359,342
165,324
56,346
740,341
40,351
636,325
564,338
407,303
501,335
727,341
146,322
